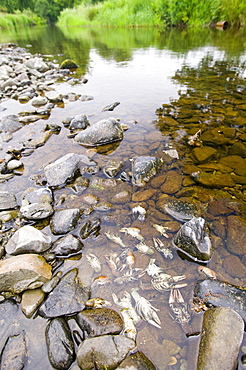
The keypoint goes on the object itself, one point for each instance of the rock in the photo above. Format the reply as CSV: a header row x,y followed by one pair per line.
x,y
193,240
10,124
38,195
14,164
103,132
36,211
40,101
238,149
178,209
110,107
90,228
136,361
79,122
173,183
233,266
36,63
62,170
121,197
90,199
30,300
59,344
64,220
222,334
66,246
214,137
236,235
237,163
106,351
144,168
8,310
203,154
67,298
54,96
220,293
112,168
143,195
14,355
7,200
68,64
100,321
27,271
28,239
52,283
217,180
221,207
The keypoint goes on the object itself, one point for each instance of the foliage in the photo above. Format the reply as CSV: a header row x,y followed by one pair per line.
x,y
20,19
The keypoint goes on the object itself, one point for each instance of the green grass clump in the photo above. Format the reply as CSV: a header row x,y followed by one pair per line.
x,y
19,19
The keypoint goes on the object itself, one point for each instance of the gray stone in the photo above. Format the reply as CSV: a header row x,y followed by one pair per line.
x,y
64,220
13,164
136,361
66,246
79,122
14,355
100,321
10,124
106,351
222,334
144,168
7,200
54,96
27,271
36,211
59,344
38,195
28,239
67,298
36,63
103,132
62,170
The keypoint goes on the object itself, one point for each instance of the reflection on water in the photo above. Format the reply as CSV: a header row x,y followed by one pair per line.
x,y
171,86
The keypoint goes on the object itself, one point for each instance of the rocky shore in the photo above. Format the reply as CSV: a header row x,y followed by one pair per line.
x,y
99,256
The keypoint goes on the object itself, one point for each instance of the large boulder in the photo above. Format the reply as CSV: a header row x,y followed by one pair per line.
x,y
103,132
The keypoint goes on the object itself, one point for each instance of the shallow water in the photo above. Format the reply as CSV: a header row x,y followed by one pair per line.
x,y
193,78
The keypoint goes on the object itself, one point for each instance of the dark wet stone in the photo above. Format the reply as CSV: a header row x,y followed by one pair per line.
x,y
90,228
103,132
238,149
112,168
110,107
144,168
79,122
59,344
222,206
10,124
100,321
14,354
193,239
52,283
67,298
80,185
26,271
220,293
8,311
211,180
66,246
104,351
237,163
236,235
214,137
233,266
36,211
203,154
64,221
62,170
28,239
7,200
68,64
221,338
178,209
136,361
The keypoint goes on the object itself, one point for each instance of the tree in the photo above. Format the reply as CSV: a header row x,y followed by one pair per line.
x,y
51,9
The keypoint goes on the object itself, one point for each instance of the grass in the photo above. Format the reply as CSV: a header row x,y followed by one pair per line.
x,y
138,13
24,19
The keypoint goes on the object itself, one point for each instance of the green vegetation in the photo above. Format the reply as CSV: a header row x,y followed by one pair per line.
x,y
24,19
137,13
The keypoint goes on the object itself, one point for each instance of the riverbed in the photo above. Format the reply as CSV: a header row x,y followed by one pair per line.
x,y
171,85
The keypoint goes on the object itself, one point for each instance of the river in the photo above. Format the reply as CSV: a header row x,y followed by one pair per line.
x,y
196,78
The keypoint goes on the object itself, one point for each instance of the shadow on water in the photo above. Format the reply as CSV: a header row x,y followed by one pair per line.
x,y
180,90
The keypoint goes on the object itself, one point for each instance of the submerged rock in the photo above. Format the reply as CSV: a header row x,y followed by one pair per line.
x,y
103,132
222,334
59,344
67,298
14,354
64,220
144,168
10,123
26,271
178,209
28,239
220,293
105,351
100,321
90,228
193,240
7,200
136,361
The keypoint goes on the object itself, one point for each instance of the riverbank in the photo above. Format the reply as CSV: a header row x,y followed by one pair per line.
x,y
18,20
161,13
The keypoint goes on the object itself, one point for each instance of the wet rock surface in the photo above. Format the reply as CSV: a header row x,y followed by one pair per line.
x,y
14,355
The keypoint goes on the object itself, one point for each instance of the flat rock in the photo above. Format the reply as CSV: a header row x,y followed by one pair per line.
x,y
64,220
221,338
28,239
36,211
103,132
100,321
203,154
30,300
14,355
59,344
26,271
67,298
7,200
236,235
106,351
62,170
10,124
38,195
